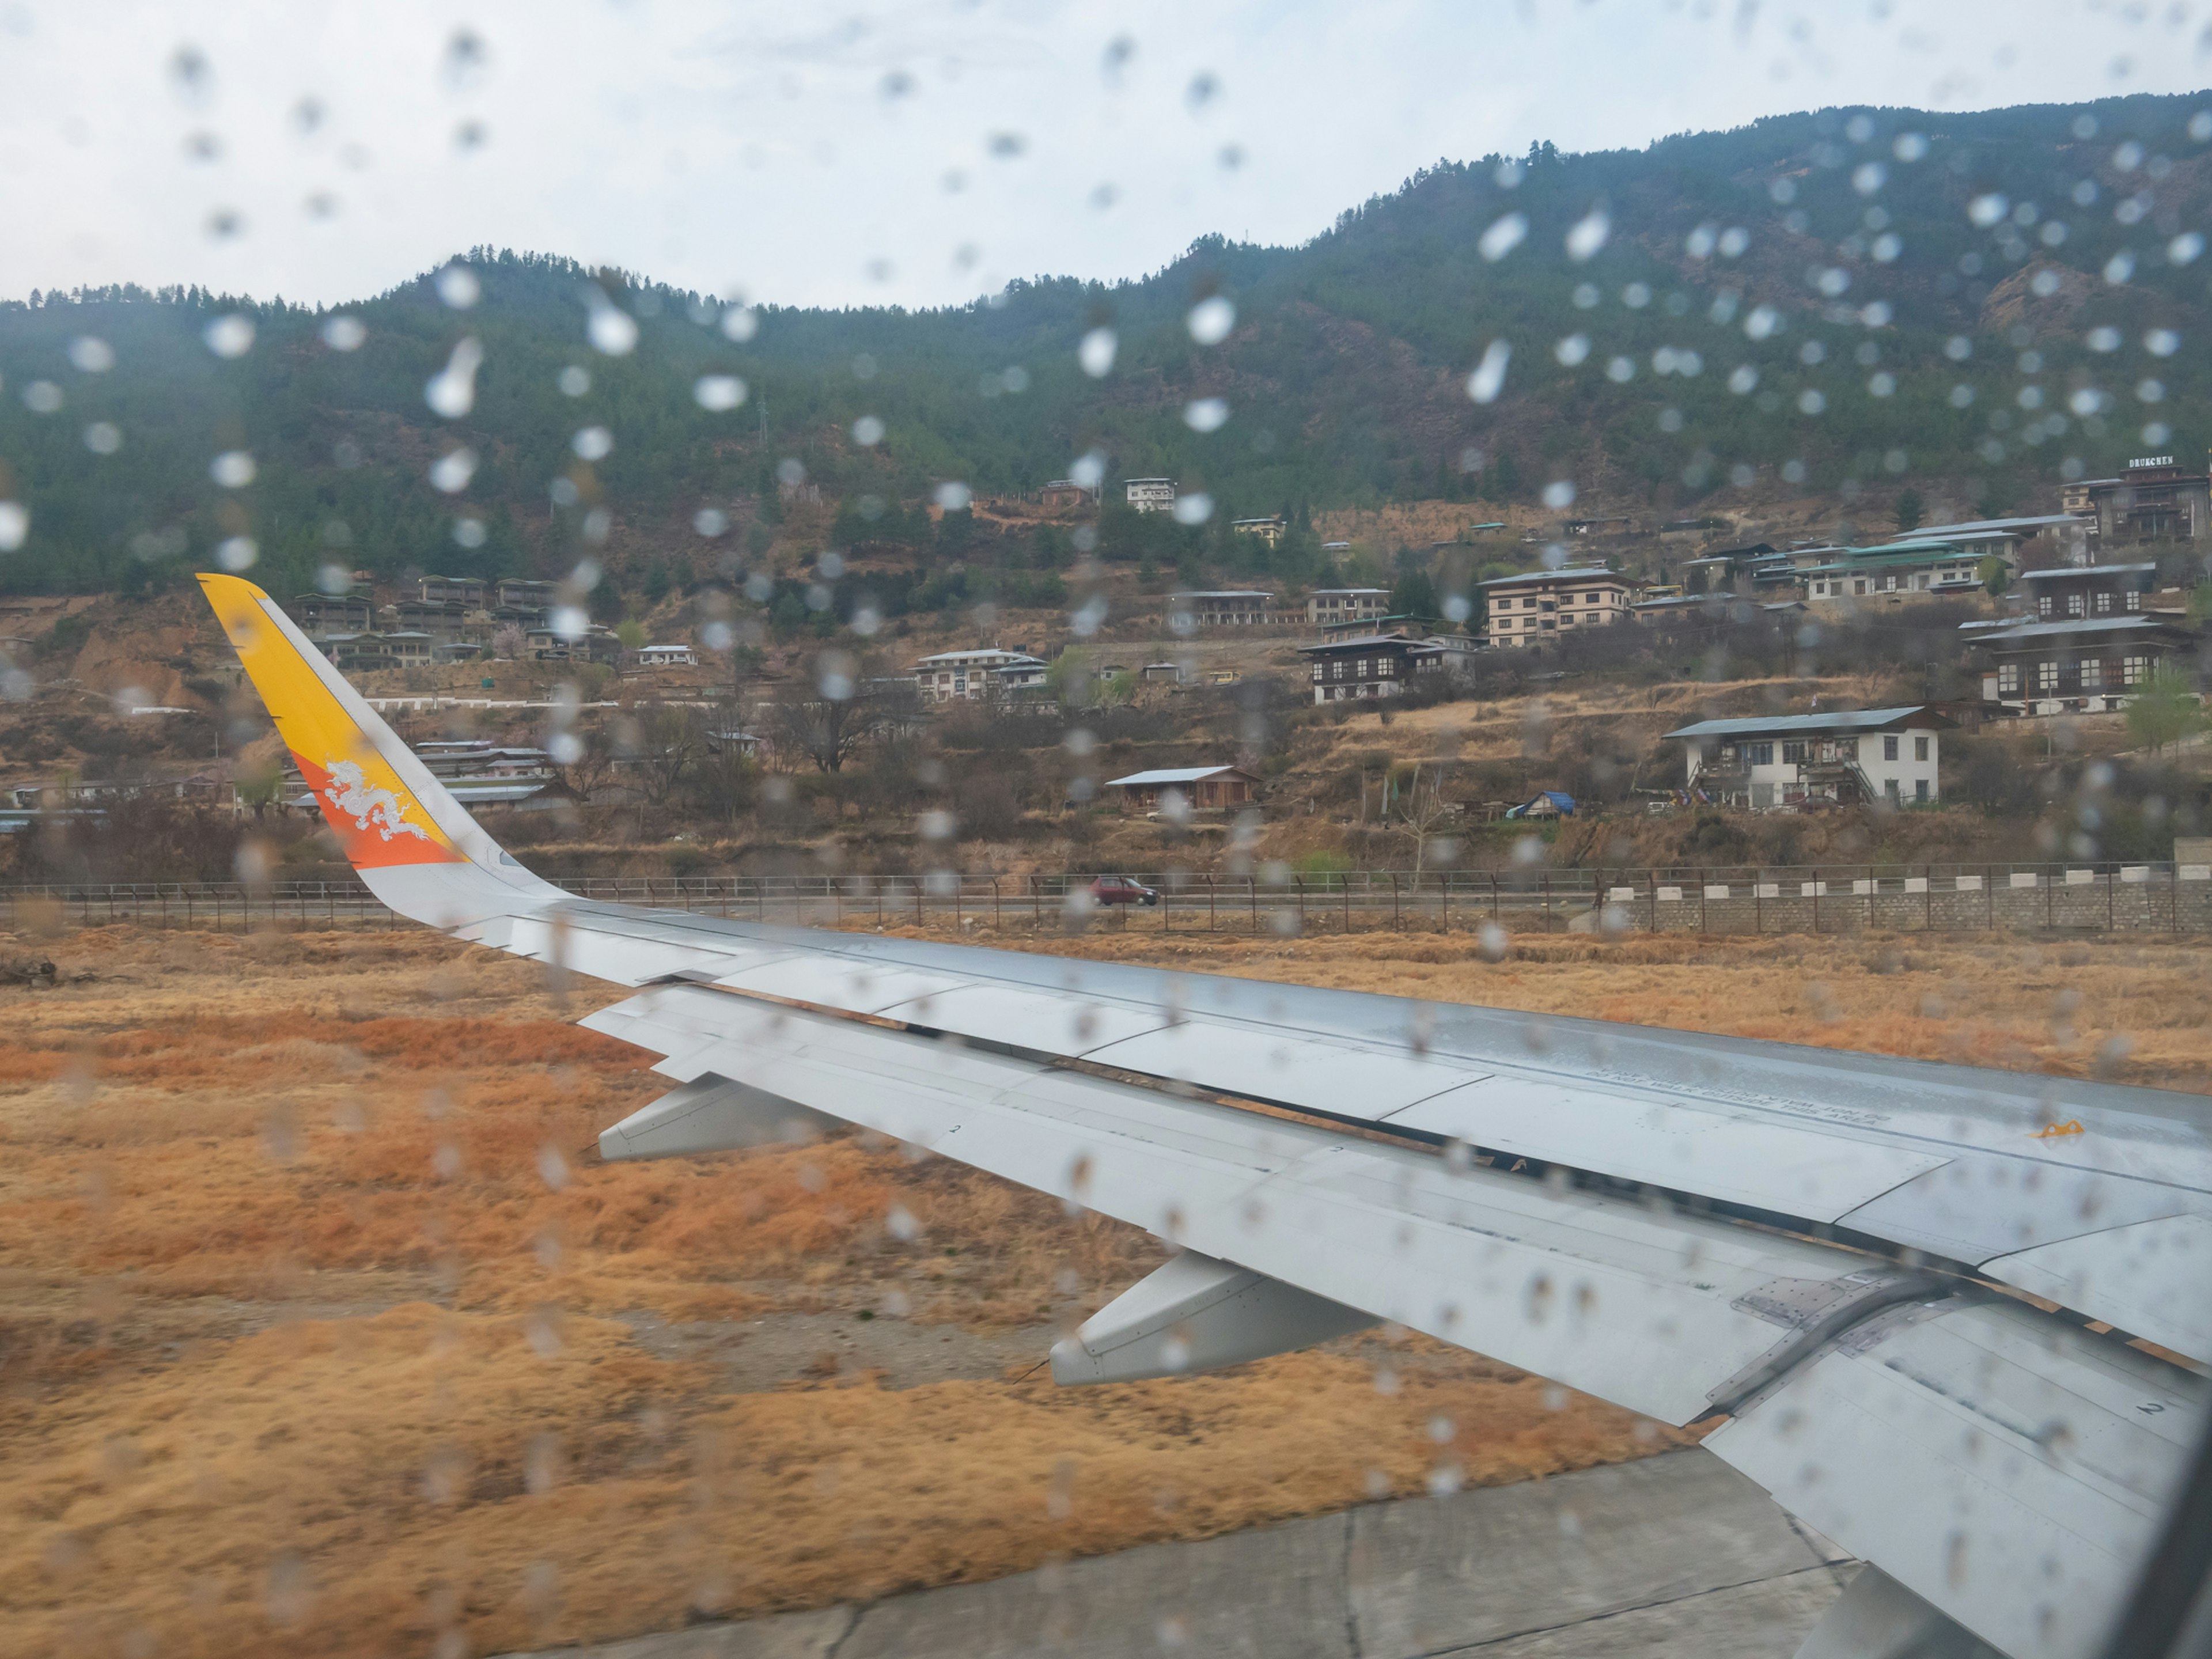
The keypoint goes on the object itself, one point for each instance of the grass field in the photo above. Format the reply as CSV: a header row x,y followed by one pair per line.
x,y
320,1333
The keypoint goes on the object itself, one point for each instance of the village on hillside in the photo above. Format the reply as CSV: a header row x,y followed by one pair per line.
x,y
1421,704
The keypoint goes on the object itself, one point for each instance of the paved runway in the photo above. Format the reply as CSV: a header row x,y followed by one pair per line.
x,y
1676,1555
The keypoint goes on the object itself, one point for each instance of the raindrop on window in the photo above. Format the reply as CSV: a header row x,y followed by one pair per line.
x,y
1096,353
230,336
1210,319
451,392
233,469
1206,415
458,288
718,393
867,431
343,333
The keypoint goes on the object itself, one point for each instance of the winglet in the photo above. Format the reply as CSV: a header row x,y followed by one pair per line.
x,y
386,809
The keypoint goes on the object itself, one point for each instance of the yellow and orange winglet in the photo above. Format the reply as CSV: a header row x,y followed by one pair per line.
x,y
374,815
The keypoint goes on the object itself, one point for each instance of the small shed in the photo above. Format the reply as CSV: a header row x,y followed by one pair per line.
x,y
1544,804
1206,787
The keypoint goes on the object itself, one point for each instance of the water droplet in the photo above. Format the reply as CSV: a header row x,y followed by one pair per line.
x,y
952,497
1088,470
1096,353
1210,320
458,288
233,469
452,470
740,323
1503,236
1572,351
1205,414
710,521
103,438
867,432
343,333
611,332
593,443
1811,401
1909,146
237,553
573,380
230,336
2183,249
552,1167
718,393
469,532
90,355
2161,342
900,1225
1489,377
42,398
451,392
1559,493
1588,234
1743,379
15,526
1196,507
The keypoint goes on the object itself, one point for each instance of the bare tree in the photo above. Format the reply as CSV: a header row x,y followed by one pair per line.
x,y
1420,813
665,744
844,704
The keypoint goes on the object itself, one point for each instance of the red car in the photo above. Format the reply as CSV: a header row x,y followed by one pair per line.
x,y
1119,890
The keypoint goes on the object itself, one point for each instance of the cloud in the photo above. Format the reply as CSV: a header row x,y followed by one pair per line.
x,y
810,164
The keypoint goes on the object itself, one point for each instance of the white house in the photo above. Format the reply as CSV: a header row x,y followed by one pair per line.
x,y
1788,760
667,656
969,675
1151,494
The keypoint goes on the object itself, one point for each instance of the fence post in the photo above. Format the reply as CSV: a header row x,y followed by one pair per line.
x,y
2050,902
1209,903
1989,901
917,902
1298,884
994,904
1346,877
1396,926
1493,895
1252,887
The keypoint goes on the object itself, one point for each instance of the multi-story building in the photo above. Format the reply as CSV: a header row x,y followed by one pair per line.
x,y
1151,494
513,593
2082,664
442,619
1379,665
2070,591
453,590
1328,606
1788,760
1269,529
320,614
2152,500
1228,608
1534,608
1896,569
976,676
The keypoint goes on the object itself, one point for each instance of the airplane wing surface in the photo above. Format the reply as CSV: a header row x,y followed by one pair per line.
x,y
1966,1348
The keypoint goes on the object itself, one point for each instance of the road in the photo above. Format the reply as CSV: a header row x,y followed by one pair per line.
x,y
1676,1554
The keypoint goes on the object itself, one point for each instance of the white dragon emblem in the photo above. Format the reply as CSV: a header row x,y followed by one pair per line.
x,y
369,806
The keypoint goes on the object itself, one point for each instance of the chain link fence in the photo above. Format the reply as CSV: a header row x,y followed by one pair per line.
x,y
2164,898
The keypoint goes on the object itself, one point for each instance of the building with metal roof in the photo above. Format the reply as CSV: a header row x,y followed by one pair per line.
x,y
1533,609
1207,788
2080,665
1795,761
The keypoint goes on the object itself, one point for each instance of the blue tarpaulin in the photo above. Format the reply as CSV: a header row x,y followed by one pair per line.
x,y
1544,804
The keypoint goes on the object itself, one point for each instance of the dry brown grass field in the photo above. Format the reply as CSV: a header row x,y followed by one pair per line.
x,y
321,1332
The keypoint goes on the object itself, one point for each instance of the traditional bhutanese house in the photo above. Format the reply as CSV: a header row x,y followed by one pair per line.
x,y
1788,760
1895,570
1373,665
1207,788
2085,665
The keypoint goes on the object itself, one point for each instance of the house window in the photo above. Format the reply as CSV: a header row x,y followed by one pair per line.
x,y
1920,789
2135,601
2075,606
1920,748
1758,754
2104,604
2092,671
2043,604
1793,754
1317,671
1364,662
2007,679
2134,671
1889,788
1889,749
1589,599
2046,676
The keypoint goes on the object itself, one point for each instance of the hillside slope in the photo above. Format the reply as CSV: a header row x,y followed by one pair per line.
x,y
1841,301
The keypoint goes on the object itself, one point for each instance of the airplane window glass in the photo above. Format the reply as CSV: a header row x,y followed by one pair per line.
x,y
971,828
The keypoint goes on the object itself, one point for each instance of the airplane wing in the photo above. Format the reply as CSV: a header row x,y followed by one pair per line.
x,y
1953,1318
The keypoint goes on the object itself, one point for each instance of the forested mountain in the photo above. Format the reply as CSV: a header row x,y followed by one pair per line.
x,y
1838,302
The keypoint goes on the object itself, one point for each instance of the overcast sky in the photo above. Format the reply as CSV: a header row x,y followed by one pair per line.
x,y
910,153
